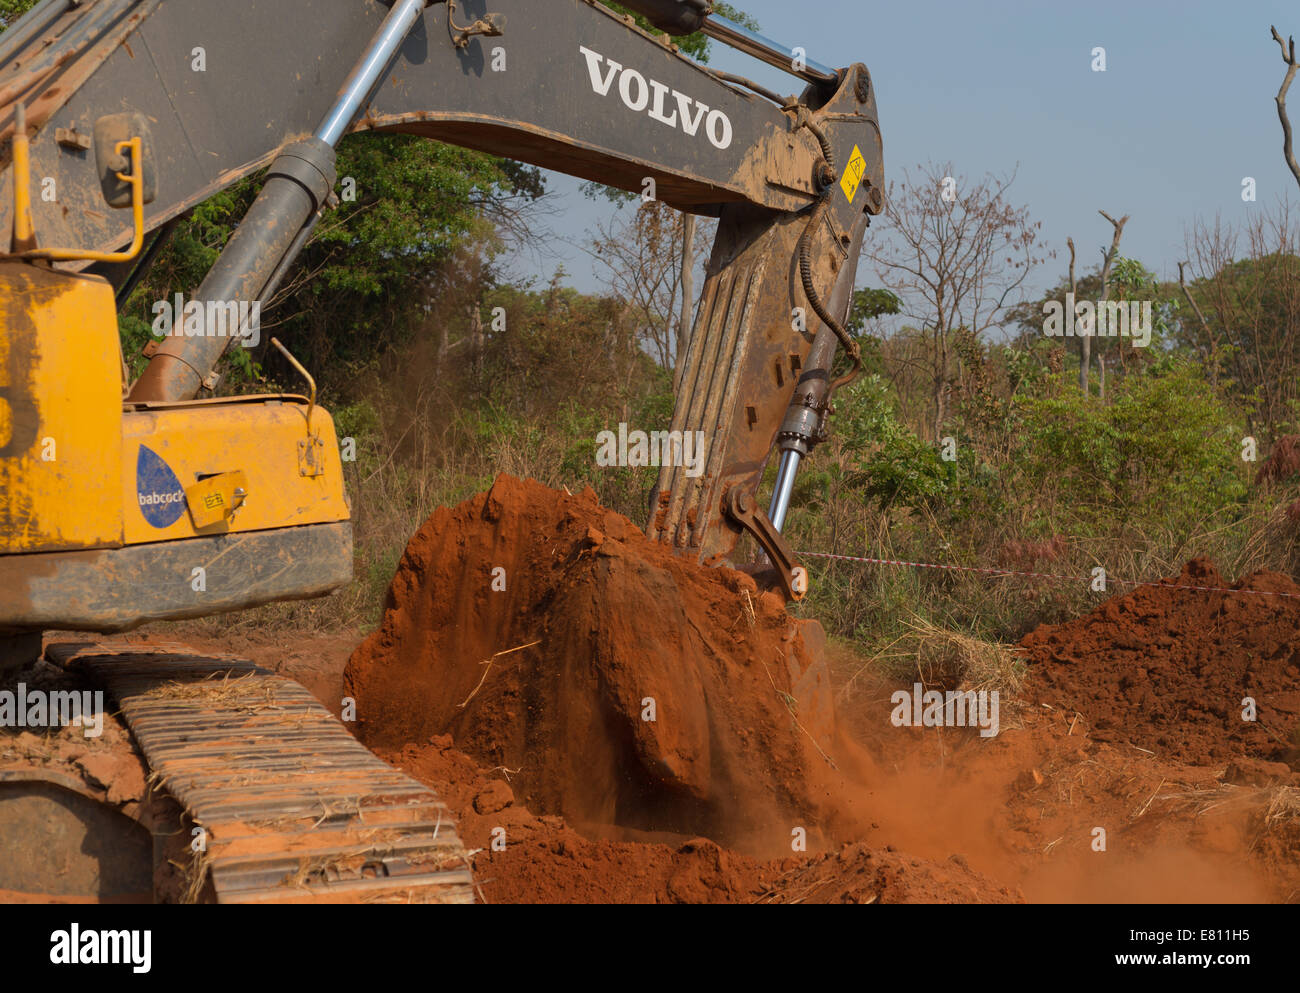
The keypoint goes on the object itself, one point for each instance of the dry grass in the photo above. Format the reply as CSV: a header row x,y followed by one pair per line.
x,y
945,658
1283,804
1271,807
226,690
195,875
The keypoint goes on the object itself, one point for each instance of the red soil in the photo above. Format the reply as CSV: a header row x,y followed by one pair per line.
x,y
614,625
1129,728
546,861
1168,669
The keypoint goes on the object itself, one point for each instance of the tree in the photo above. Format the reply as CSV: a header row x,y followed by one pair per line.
x,y
958,255
1244,293
1107,260
641,253
1288,57
1125,279
364,281
868,305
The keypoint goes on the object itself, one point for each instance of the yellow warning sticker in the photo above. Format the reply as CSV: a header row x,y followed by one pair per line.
x,y
216,498
853,173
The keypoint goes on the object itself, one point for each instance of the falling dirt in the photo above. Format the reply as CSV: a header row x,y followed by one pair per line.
x,y
543,859
620,684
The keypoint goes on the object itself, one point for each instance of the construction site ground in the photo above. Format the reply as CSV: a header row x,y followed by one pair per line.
x,y
1122,771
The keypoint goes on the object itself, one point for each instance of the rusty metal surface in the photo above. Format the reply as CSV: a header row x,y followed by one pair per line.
x,y
294,808
49,66
272,70
741,507
115,589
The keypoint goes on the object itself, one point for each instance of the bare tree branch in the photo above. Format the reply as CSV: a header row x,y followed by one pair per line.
x,y
955,262
1110,256
643,257
1085,342
1248,278
1288,56
1108,260
1187,293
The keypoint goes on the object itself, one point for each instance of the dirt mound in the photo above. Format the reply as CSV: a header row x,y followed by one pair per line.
x,y
618,683
546,861
1168,669
1283,462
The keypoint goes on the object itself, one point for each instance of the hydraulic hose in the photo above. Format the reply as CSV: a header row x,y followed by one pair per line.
x,y
805,265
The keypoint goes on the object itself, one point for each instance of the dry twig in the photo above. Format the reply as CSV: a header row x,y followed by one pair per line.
x,y
487,665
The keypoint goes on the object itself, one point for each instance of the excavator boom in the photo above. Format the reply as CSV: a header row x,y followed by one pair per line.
x,y
567,85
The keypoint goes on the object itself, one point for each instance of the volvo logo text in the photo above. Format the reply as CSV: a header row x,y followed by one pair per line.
x,y
649,95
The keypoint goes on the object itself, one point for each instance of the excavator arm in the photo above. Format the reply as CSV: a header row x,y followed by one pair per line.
x,y
222,90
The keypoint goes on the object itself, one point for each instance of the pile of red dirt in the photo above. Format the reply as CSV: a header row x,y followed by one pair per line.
x,y
1168,669
618,683
543,860
1283,462
643,729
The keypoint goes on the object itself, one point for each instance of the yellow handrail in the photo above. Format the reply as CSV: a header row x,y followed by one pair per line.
x,y
302,371
23,227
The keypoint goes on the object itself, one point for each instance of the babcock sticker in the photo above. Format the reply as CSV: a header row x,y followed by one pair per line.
x,y
162,500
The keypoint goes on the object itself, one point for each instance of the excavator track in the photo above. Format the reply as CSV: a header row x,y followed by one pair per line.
x,y
289,806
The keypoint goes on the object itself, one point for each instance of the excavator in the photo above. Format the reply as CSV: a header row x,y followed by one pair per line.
x,y
126,502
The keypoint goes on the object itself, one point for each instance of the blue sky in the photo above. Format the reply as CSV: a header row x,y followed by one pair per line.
x,y
1183,112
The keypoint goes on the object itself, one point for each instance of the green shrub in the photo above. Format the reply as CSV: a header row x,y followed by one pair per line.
x,y
1164,451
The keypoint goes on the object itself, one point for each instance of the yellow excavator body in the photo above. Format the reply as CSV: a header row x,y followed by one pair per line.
x,y
115,513
91,487
60,411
